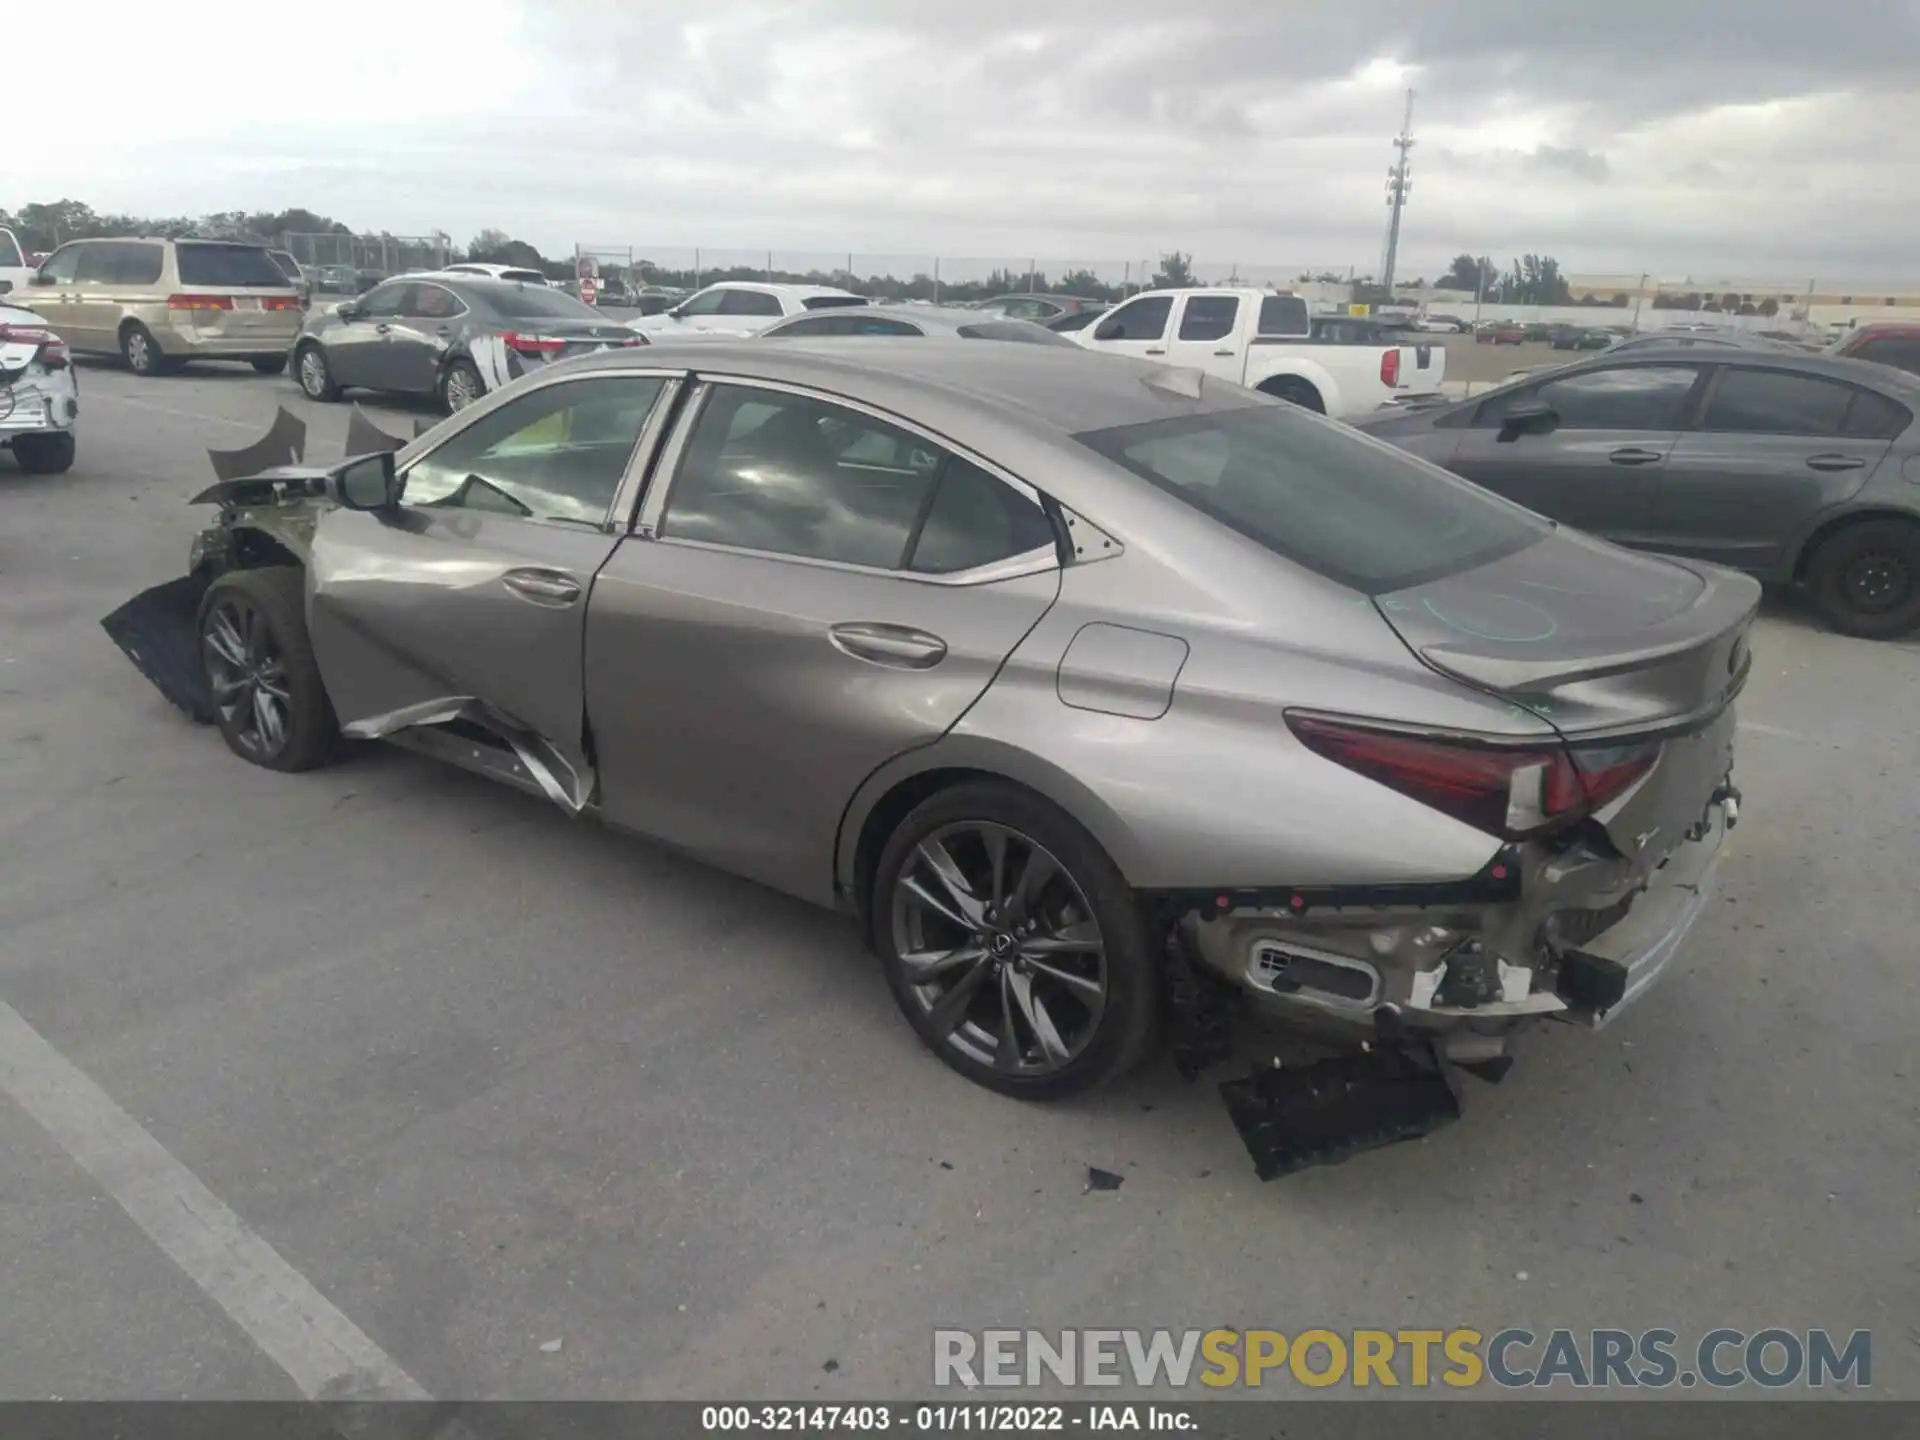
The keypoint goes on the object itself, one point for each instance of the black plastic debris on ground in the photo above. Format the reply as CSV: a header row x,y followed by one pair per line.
x,y
159,629
1326,1112
1098,1179
1198,1010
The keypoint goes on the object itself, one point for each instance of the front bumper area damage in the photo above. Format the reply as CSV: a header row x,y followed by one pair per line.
x,y
1408,988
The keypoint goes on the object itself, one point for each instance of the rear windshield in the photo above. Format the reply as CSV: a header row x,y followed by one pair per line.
x,y
536,302
1022,330
524,277
289,266
203,264
832,302
1349,508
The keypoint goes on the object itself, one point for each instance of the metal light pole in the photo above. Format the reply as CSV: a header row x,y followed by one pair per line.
x,y
1399,186
1639,294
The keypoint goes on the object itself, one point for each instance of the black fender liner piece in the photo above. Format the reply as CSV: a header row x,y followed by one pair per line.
x,y
159,630
1331,1110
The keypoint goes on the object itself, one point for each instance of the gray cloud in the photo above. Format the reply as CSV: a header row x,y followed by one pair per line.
x,y
1708,135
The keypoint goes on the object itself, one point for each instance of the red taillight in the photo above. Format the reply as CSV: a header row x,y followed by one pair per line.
x,y
281,302
199,302
52,349
1506,792
533,344
1390,369
53,354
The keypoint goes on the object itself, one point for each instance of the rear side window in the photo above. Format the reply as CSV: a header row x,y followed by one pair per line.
x,y
1023,332
1627,397
289,266
9,252
535,302
1283,315
1349,508
226,265
831,302
1208,317
1776,402
1143,319
975,520
749,302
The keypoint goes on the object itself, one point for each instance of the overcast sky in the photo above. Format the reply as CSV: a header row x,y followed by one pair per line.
x,y
1754,138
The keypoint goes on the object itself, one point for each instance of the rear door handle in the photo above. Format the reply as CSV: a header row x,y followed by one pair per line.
x,y
1225,352
1835,462
542,587
897,646
1156,350
1632,455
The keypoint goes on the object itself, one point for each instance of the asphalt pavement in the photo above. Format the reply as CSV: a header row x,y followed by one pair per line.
x,y
486,1079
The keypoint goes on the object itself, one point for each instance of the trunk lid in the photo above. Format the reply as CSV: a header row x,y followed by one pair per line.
x,y
1611,648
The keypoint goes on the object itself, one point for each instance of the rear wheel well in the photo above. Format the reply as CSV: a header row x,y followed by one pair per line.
x,y
1295,388
1846,522
885,818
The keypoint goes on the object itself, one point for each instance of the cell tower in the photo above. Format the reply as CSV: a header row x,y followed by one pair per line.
x,y
1399,186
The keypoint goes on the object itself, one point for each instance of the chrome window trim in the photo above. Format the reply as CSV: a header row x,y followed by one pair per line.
x,y
667,474
630,477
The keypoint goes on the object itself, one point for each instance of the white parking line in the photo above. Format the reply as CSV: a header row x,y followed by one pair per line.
x,y
324,1352
1758,729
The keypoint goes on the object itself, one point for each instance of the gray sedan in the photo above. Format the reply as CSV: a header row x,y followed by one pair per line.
x,y
449,336
1795,468
1096,691
917,320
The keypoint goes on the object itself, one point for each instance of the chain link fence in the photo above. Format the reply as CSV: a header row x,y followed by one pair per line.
x,y
351,263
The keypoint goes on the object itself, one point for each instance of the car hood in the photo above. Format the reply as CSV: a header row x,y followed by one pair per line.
x,y
1590,637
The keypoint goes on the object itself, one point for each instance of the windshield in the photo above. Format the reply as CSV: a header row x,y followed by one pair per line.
x,y
536,302
1346,507
205,264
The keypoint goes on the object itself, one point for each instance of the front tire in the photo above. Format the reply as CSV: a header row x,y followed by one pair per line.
x,y
1865,579
271,365
268,698
44,454
460,386
1013,945
314,375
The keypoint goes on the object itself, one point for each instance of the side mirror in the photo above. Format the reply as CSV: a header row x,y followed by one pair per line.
x,y
1528,417
368,482
1108,331
38,278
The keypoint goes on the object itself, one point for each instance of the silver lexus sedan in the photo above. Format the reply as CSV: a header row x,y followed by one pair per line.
x,y
1084,685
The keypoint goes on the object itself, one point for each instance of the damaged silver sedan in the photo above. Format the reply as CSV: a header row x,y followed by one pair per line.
x,y
1111,700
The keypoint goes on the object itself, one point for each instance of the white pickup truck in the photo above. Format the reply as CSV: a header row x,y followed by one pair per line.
x,y
14,270
1266,342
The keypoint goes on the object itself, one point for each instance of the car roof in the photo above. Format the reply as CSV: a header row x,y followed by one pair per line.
x,y
1044,390
945,318
1898,383
796,292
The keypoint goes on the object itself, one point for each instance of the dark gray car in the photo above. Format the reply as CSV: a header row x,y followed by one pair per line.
x,y
453,337
1795,468
920,320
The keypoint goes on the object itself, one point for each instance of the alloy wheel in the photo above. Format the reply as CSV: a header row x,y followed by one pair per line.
x,y
1000,948
1876,582
248,676
313,373
462,389
139,352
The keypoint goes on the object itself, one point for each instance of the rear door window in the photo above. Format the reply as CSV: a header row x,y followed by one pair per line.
x,y
1209,317
1349,508
223,266
1776,402
749,302
63,266
1900,351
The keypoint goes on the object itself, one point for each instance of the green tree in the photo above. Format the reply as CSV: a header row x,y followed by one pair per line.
x,y
1175,272
1769,307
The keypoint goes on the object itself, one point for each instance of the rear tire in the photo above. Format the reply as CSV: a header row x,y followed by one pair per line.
x,y
1296,391
269,701
272,365
313,375
1865,579
44,454
1067,969
460,386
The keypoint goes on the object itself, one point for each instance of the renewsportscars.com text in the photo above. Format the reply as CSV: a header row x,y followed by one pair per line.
x,y
1459,1358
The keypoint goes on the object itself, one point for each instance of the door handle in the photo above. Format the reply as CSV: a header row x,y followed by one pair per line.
x,y
383,329
1632,455
543,587
1156,350
897,646
1225,352
1835,462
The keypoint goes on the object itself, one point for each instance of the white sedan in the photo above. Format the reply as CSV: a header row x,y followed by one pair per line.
x,y
39,393
741,307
